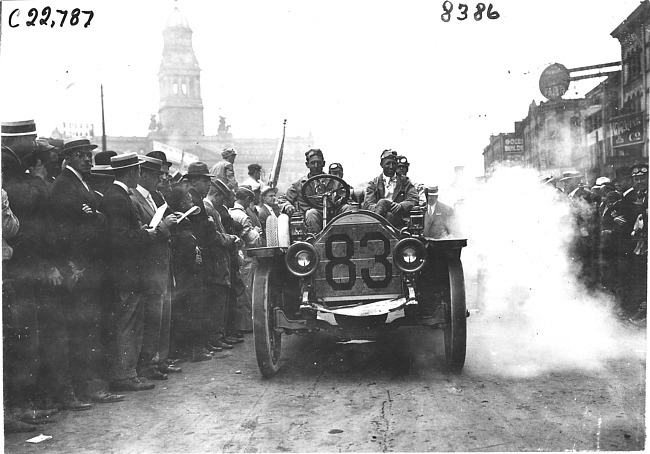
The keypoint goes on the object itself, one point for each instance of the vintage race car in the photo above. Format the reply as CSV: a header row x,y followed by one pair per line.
x,y
359,278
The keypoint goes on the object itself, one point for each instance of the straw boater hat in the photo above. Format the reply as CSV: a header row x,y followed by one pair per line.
x,y
432,190
18,128
163,158
125,160
570,175
150,163
76,144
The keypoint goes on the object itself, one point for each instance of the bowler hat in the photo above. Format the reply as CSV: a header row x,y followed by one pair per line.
x,y
570,175
76,144
103,163
123,161
199,169
388,154
18,128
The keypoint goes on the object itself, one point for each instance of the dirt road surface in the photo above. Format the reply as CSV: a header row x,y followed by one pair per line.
x,y
390,395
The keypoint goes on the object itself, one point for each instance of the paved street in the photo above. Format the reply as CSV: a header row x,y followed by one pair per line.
x,y
391,395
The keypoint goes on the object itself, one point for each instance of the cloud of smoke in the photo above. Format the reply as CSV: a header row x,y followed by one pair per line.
x,y
534,315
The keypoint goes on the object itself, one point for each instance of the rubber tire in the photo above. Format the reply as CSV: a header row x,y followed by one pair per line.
x,y
268,343
455,332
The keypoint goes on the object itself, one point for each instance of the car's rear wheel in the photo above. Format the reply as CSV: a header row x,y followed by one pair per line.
x,y
266,297
456,323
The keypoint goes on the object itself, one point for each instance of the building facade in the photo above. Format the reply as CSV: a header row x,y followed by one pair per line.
x,y
180,123
602,134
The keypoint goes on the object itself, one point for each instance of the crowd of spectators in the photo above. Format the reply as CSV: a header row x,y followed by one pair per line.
x,y
115,271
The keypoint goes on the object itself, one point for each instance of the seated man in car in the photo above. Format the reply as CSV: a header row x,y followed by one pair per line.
x,y
390,195
313,212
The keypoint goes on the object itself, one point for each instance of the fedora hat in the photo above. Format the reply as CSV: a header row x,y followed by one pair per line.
x,y
123,161
18,128
76,144
198,169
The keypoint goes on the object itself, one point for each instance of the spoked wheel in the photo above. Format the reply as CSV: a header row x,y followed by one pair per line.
x,y
266,296
456,326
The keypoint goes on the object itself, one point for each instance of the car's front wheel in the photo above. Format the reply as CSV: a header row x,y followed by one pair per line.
x,y
456,318
266,297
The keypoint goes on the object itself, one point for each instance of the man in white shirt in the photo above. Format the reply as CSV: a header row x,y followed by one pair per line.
x,y
390,194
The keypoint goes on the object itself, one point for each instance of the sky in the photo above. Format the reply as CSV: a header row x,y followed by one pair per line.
x,y
360,76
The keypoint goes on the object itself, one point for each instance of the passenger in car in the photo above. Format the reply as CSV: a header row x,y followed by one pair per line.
x,y
390,194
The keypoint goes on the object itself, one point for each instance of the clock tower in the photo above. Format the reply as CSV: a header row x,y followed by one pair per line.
x,y
181,109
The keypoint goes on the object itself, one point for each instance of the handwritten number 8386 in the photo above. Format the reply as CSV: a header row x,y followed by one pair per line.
x,y
463,9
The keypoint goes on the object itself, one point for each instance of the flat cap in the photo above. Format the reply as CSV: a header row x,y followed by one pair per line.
x,y
388,154
228,152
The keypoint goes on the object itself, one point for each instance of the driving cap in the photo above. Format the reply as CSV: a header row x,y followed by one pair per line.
x,y
639,170
18,128
388,154
243,192
228,152
336,167
221,186
313,152
199,169
76,144
266,189
150,163
402,161
570,175
123,161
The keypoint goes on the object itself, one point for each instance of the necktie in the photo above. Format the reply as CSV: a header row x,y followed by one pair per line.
x,y
151,202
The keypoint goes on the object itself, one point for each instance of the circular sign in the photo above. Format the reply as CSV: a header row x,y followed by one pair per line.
x,y
554,81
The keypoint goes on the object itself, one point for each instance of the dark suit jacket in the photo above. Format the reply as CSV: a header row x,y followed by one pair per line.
x,y
157,258
405,193
81,237
127,240
441,224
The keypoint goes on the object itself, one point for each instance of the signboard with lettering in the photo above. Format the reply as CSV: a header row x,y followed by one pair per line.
x,y
554,81
513,143
627,130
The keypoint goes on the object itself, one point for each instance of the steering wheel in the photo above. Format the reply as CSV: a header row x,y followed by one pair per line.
x,y
314,196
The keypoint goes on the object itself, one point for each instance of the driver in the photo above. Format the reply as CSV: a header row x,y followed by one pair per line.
x,y
315,162
390,195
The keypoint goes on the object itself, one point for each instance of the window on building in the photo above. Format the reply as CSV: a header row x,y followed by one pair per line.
x,y
184,89
175,89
